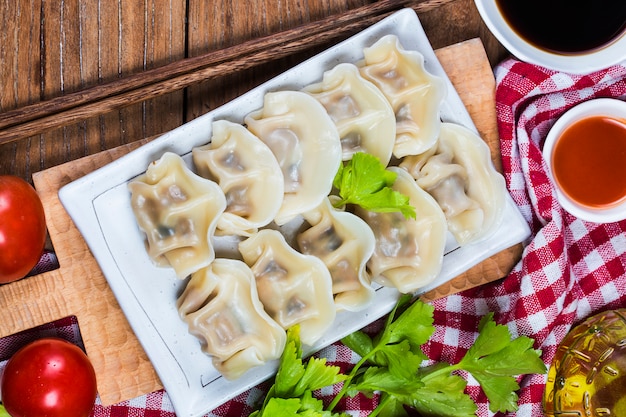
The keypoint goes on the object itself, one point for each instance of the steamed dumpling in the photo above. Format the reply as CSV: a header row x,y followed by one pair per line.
x,y
415,94
294,288
306,144
222,309
459,174
362,114
247,172
409,252
178,211
344,242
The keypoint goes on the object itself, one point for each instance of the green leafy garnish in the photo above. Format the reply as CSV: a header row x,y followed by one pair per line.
x,y
391,365
494,359
364,181
292,392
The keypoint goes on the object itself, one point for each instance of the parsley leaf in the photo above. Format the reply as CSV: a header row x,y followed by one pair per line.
x,y
290,369
394,356
415,324
382,379
494,360
288,407
293,379
391,364
391,407
442,394
292,392
282,407
318,375
364,181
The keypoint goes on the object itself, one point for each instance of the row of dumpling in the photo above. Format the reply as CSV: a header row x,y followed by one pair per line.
x,y
240,309
280,166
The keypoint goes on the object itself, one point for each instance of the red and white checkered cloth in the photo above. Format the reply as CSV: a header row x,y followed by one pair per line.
x,y
569,270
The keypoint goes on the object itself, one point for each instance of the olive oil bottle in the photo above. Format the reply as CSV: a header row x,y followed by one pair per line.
x,y
587,377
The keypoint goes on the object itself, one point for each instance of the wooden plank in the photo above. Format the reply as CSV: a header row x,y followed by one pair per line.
x,y
50,49
476,88
210,24
223,23
79,288
90,72
165,38
20,76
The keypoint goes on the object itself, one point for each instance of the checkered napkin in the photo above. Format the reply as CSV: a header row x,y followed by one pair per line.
x,y
570,269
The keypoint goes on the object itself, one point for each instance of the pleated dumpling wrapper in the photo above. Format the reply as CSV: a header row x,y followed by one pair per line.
x,y
294,288
344,242
178,212
362,114
414,93
246,170
221,306
409,252
459,174
306,145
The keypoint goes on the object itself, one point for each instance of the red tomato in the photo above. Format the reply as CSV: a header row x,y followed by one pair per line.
x,y
49,378
22,228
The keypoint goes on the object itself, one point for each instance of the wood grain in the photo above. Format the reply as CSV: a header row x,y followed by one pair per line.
x,y
107,41
150,83
74,45
477,91
79,288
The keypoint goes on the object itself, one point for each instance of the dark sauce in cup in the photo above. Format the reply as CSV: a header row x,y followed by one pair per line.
x,y
566,26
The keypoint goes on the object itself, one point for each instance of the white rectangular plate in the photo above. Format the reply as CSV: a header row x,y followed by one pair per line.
x,y
99,204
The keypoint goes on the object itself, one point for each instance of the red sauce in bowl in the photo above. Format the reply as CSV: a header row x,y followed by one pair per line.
x,y
589,161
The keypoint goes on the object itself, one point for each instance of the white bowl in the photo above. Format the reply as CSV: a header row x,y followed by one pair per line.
x,y
574,64
597,107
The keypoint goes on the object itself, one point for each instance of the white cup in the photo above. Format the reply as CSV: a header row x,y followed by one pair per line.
x,y
580,63
598,107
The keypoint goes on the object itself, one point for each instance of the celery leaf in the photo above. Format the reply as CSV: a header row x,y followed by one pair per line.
x,y
495,360
364,181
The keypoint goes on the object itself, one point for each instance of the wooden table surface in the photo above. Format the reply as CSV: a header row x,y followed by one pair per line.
x,y
51,48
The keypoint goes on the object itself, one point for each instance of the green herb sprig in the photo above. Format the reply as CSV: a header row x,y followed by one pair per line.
x,y
292,392
391,365
364,181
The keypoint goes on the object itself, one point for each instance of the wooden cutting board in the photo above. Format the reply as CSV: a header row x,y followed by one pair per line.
x,y
78,287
